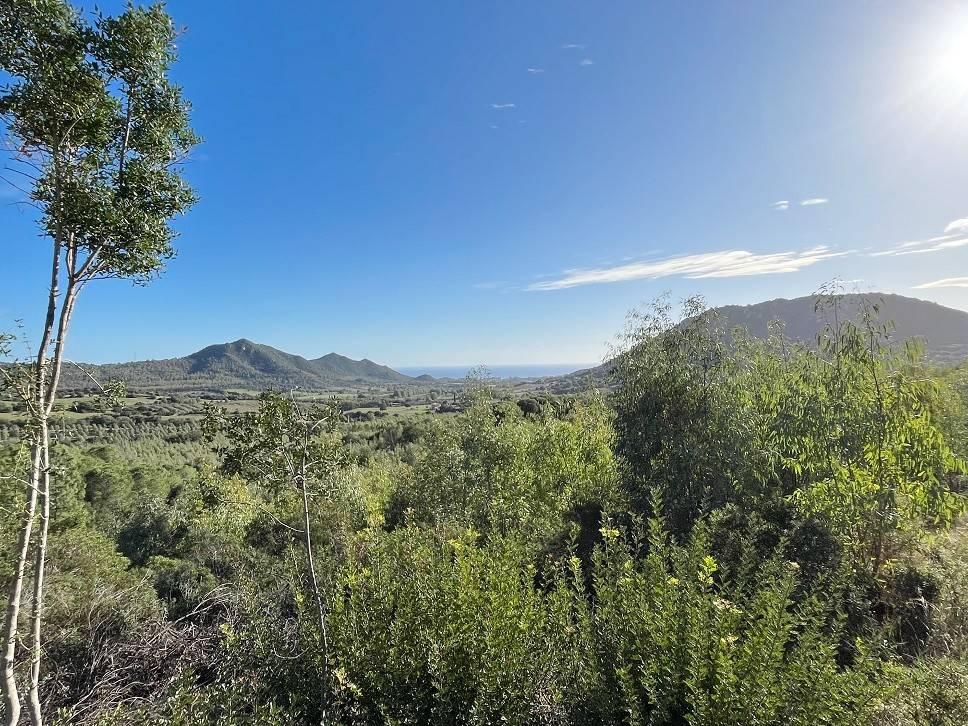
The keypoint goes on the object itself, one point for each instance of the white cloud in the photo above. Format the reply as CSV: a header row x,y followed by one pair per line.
x,y
813,201
573,46
728,263
936,244
587,62
959,226
781,205
955,235
535,70
946,282
502,106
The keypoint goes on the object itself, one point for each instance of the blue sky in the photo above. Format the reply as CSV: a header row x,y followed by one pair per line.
x,y
500,182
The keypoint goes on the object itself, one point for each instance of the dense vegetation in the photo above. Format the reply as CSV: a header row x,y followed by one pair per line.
x,y
742,531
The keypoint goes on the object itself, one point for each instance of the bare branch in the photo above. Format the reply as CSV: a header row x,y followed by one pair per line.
x,y
88,374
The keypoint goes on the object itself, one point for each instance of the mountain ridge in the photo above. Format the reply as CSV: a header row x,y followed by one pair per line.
x,y
937,324
240,363
245,364
943,330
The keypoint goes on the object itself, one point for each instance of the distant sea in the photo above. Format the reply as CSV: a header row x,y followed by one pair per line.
x,y
536,370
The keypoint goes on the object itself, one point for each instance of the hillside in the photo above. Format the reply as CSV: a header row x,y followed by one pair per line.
x,y
244,364
943,330
240,364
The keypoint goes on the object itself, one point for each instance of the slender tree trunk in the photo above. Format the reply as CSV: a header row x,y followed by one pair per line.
x,y
11,697
317,594
36,717
311,564
880,514
39,404
40,559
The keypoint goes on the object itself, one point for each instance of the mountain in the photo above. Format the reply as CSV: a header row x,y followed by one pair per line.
x,y
247,365
241,364
943,330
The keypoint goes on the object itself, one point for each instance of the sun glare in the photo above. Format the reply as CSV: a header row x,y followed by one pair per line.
x,y
949,74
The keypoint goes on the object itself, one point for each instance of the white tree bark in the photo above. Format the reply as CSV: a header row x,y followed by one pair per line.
x,y
37,409
36,717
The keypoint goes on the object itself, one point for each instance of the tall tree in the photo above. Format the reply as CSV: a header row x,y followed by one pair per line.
x,y
98,133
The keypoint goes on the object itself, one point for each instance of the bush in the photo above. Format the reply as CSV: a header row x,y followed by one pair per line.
x,y
458,631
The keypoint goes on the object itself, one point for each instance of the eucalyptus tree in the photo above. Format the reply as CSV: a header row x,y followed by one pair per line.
x,y
682,427
97,133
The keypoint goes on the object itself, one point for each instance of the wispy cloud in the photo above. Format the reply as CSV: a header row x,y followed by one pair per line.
x,y
587,62
728,263
781,205
955,235
503,106
813,201
959,226
919,247
535,71
573,46
946,282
